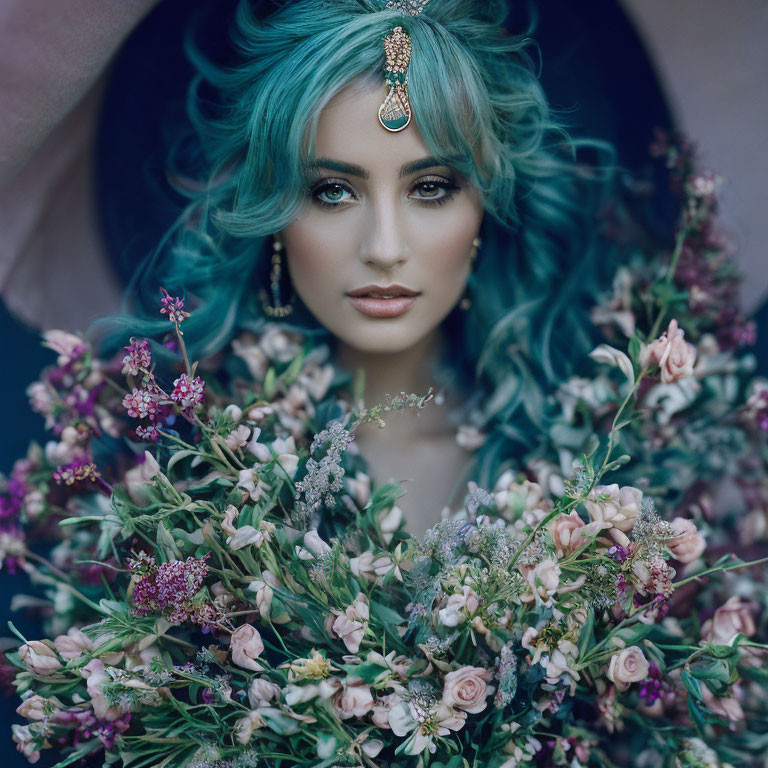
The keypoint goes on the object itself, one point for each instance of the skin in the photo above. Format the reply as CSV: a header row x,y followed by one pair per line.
x,y
414,227
415,230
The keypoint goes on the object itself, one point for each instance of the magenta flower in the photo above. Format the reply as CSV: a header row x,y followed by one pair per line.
x,y
141,404
139,357
76,471
173,306
651,688
147,433
188,392
170,589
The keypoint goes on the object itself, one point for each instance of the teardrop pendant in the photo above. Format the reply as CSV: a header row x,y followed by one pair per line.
x,y
395,112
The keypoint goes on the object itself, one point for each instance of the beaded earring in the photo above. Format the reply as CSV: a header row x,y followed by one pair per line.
x,y
466,302
276,308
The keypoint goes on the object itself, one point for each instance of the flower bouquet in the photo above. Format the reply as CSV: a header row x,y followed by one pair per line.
x,y
230,591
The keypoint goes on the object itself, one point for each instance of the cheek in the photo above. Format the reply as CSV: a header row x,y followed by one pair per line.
x,y
444,244
313,261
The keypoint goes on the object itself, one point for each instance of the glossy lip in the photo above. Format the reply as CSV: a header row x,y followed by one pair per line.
x,y
387,290
383,307
402,299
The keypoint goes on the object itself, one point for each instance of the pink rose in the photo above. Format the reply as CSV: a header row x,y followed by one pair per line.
x,y
467,688
674,356
382,707
725,706
730,619
689,544
627,666
73,644
354,700
25,742
246,646
350,625
39,658
566,532
34,708
614,509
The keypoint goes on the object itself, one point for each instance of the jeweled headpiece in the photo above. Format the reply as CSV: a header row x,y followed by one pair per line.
x,y
395,112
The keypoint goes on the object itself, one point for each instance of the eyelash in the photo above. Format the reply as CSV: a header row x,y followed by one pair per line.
x,y
450,187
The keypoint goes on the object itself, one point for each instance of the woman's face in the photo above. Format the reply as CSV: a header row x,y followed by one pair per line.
x,y
381,213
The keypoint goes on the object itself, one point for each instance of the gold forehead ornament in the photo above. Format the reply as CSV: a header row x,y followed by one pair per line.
x,y
395,112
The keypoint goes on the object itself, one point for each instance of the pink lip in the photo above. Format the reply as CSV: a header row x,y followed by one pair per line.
x,y
383,307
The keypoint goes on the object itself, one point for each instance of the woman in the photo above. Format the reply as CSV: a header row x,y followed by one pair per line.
x,y
386,178
451,208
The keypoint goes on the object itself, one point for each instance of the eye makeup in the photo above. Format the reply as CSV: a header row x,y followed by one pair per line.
x,y
435,190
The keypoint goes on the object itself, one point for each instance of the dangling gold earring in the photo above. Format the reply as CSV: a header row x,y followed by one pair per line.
x,y
276,308
466,302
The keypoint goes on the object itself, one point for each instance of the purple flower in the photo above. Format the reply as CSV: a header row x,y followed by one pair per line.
x,y
139,357
76,471
141,404
147,433
650,690
618,553
170,588
188,392
173,306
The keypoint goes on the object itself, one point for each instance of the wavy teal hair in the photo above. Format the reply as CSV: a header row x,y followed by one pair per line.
x,y
480,109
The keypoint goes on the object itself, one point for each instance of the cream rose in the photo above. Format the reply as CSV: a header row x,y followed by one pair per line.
x,y
246,646
39,658
566,532
730,619
467,688
614,509
627,667
689,544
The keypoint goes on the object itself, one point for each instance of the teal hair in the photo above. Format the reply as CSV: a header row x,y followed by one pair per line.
x,y
479,107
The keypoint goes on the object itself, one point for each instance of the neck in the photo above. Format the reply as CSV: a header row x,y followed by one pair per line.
x,y
409,371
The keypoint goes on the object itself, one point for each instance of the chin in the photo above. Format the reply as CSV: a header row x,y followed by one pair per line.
x,y
382,340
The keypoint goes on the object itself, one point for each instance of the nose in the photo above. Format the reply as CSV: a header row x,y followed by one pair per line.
x,y
384,247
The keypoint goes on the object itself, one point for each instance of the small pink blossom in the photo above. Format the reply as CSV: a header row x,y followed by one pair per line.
x,y
173,306
68,346
246,646
674,356
73,645
141,404
39,658
731,619
188,392
138,357
148,433
614,509
350,625
689,544
727,707
354,699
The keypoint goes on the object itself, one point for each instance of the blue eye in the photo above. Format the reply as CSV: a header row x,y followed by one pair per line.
x,y
332,193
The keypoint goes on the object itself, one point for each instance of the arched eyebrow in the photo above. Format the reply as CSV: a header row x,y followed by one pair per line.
x,y
357,170
337,165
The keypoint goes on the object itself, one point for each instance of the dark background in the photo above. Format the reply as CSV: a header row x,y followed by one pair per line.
x,y
594,70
